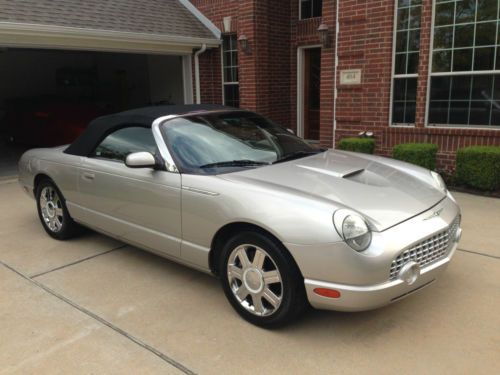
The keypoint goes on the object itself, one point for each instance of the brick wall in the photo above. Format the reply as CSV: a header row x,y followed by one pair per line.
x,y
264,71
268,73
365,42
210,61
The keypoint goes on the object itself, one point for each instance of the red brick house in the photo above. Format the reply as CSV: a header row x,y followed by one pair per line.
x,y
408,70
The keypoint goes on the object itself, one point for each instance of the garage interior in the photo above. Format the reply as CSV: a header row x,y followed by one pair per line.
x,y
38,84
63,63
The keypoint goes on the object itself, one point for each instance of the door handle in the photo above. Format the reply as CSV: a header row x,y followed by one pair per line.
x,y
88,176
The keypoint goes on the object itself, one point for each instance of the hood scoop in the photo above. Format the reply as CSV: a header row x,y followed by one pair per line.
x,y
338,174
360,175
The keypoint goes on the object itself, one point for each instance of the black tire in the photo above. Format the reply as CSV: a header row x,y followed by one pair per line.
x,y
291,288
67,226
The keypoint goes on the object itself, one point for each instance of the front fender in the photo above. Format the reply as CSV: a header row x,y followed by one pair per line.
x,y
209,203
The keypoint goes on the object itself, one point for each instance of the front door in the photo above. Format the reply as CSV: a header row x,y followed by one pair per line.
x,y
141,206
311,93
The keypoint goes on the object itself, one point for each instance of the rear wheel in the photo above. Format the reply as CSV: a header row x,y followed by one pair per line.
x,y
261,280
53,212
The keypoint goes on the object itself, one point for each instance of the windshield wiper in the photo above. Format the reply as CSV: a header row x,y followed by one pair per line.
x,y
299,154
234,163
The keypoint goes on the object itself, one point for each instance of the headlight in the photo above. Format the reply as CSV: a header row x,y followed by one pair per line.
x,y
438,181
353,229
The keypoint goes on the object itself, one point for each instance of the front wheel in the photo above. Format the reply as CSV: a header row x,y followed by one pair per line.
x,y
261,280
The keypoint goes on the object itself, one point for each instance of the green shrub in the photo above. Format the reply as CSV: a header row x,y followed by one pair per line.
x,y
364,145
423,154
479,167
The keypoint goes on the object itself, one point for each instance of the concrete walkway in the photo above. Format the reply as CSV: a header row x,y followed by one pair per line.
x,y
93,305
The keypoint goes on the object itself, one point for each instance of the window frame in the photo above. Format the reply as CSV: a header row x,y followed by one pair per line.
x,y
312,7
224,83
92,154
450,74
402,76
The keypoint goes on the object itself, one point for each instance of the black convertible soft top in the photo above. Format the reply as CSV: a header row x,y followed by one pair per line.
x,y
99,128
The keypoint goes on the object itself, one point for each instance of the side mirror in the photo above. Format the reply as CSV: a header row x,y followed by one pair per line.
x,y
140,160
290,131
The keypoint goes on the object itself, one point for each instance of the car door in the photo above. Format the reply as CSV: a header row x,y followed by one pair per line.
x,y
141,206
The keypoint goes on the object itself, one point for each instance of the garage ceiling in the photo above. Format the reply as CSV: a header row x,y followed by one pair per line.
x,y
154,26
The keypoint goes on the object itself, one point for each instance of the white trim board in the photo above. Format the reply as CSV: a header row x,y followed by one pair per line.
x,y
187,79
61,37
202,18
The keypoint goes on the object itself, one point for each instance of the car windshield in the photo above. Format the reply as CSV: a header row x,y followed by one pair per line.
x,y
228,141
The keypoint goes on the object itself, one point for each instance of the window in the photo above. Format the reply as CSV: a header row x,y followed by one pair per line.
x,y
229,141
230,82
405,73
122,142
310,8
465,75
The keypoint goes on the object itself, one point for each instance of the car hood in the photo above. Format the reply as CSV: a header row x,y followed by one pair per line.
x,y
384,194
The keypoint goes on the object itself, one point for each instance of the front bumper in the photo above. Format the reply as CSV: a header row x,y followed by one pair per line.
x,y
359,298
375,277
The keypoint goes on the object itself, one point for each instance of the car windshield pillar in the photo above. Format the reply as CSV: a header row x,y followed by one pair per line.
x,y
170,165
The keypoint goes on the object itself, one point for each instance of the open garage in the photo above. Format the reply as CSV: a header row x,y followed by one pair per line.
x,y
48,96
64,63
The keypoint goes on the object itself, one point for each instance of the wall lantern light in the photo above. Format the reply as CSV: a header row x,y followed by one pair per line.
x,y
243,41
323,34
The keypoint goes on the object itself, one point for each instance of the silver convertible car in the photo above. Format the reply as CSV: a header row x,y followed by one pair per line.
x,y
281,222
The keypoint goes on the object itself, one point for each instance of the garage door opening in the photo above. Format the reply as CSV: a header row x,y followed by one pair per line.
x,y
47,97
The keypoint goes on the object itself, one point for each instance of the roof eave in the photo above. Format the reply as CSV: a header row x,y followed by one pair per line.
x,y
41,35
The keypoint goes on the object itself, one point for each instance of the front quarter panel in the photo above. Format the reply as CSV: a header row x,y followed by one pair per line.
x,y
211,202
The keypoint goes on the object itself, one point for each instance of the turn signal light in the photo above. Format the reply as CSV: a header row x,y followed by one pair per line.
x,y
329,293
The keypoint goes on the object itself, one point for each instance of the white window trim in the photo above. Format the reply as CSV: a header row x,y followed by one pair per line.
x,y
430,74
393,65
224,83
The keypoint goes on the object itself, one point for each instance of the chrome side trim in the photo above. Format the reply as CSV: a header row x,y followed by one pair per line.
x,y
205,192
160,142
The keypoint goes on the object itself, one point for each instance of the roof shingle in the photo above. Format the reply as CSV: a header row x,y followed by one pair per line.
x,y
161,17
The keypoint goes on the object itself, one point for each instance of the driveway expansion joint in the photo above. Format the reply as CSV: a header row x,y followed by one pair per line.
x,y
77,261
478,253
101,320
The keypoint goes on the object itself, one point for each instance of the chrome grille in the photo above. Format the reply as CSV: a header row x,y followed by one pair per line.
x,y
427,251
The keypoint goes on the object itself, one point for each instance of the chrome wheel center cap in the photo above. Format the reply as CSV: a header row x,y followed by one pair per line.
x,y
51,209
253,280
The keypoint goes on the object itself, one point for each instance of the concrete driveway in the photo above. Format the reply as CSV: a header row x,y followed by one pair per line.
x,y
94,305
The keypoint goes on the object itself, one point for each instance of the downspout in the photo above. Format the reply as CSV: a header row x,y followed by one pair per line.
x,y
337,30
197,72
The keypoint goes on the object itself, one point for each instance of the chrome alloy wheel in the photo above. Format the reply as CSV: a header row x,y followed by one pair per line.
x,y
51,208
255,280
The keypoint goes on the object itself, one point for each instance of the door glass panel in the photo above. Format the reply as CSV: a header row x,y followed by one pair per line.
x,y
119,144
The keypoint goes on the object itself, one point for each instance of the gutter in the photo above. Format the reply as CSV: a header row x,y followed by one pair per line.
x,y
335,91
25,30
197,72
